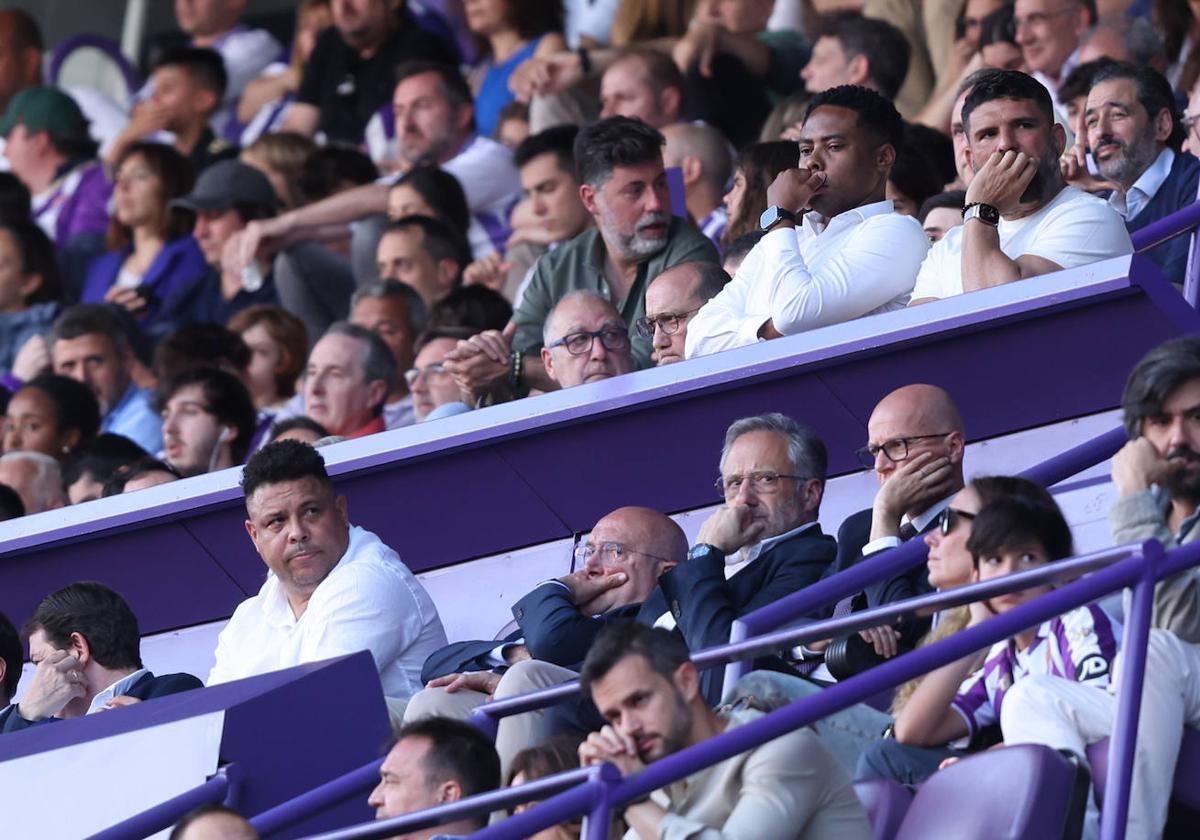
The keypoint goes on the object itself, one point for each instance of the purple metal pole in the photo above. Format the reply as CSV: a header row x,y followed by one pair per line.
x,y
166,814
288,813
1168,227
1123,747
599,819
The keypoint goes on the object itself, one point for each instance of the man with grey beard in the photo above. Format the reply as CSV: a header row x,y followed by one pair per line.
x,y
623,186
1135,136
1021,219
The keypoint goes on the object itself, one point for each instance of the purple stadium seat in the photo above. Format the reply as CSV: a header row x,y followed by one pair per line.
x,y
1024,792
1187,769
886,803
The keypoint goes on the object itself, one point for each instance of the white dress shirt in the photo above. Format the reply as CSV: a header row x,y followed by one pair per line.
x,y
1072,230
1130,203
920,523
818,273
369,601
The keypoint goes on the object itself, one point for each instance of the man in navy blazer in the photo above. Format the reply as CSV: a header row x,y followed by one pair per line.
x,y
84,642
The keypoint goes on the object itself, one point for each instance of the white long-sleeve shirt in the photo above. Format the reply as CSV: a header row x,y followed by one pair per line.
x,y
369,601
819,273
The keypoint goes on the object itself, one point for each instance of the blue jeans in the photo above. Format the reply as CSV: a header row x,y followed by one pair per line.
x,y
847,733
889,759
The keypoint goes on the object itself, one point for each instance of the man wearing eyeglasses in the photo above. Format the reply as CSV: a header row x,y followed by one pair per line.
x,y
586,340
672,298
434,391
617,569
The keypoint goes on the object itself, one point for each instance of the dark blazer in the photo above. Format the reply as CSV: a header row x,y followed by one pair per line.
x,y
705,604
146,687
552,627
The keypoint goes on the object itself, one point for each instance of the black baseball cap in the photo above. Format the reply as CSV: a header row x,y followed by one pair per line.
x,y
228,183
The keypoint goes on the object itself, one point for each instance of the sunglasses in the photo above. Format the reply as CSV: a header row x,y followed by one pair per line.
x,y
948,518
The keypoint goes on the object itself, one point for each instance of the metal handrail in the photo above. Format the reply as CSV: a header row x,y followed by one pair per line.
x,y
224,786
1157,232
475,806
1140,571
286,814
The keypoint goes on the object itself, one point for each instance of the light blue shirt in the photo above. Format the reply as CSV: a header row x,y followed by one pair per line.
x,y
118,688
134,417
1129,204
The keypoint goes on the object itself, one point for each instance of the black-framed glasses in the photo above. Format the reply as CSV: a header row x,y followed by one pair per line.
x,y
668,322
895,449
581,342
764,482
949,517
609,553
413,374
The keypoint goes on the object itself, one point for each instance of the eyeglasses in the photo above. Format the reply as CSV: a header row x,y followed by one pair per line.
x,y
947,519
581,342
413,374
895,449
609,553
761,482
669,323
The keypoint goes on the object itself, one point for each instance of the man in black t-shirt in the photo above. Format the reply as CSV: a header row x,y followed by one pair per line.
x,y
351,73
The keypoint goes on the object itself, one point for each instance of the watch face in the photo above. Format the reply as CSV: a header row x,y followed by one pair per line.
x,y
989,214
769,217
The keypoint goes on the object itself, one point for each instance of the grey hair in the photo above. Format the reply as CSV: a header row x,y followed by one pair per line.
x,y
378,361
547,332
418,315
806,450
47,480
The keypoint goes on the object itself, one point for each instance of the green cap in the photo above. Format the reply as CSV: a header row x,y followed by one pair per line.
x,y
45,109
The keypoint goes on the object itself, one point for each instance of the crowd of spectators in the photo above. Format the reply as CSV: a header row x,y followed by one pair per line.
x,y
272,248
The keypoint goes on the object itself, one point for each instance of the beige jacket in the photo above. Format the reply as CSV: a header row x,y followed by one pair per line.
x,y
787,789
1143,516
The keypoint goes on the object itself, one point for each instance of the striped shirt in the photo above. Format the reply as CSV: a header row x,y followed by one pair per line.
x,y
1079,646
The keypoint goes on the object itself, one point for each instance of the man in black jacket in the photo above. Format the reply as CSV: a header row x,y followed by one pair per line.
x,y
84,642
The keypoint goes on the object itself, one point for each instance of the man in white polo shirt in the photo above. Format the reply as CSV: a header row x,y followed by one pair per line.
x,y
849,255
1021,219
332,588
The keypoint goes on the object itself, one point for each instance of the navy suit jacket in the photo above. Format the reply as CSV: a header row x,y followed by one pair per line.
x,y
146,687
552,627
705,604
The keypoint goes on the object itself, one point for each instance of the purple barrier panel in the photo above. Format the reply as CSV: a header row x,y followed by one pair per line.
x,y
288,731
518,468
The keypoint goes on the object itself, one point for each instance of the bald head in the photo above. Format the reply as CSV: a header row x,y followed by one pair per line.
x,y
672,300
701,151
928,422
36,478
650,544
602,357
215,824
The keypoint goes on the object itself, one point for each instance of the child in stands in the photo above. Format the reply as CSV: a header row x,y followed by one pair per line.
x,y
1025,530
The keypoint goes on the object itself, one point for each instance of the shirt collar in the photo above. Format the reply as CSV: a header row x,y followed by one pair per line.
x,y
752,553
1163,498
1147,184
130,393
118,688
816,224
925,517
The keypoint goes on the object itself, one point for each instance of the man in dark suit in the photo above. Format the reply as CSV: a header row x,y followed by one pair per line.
x,y
915,445
85,643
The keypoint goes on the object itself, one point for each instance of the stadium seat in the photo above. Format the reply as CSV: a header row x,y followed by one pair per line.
x,y
1023,792
886,803
1187,769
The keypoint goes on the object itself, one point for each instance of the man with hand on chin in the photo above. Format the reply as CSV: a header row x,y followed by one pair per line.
x,y
834,248
1020,219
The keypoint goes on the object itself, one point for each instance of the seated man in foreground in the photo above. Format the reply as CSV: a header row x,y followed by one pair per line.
x,y
648,690
85,646
834,249
1021,219
332,588
435,762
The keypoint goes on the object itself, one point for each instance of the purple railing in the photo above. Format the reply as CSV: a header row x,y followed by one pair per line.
x,y
223,787
601,794
286,814
1178,223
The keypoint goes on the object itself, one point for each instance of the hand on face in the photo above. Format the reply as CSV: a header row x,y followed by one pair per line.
x,y
610,745
732,527
924,478
1002,180
793,189
589,587
1074,165
1138,465
57,681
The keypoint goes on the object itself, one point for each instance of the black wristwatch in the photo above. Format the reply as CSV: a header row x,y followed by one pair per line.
x,y
985,213
701,550
773,215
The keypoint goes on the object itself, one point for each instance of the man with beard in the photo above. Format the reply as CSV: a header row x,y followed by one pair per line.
x,y
1135,137
1157,476
648,690
624,187
834,249
1021,219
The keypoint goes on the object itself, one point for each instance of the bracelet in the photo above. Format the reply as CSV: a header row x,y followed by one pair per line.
x,y
515,369
585,60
